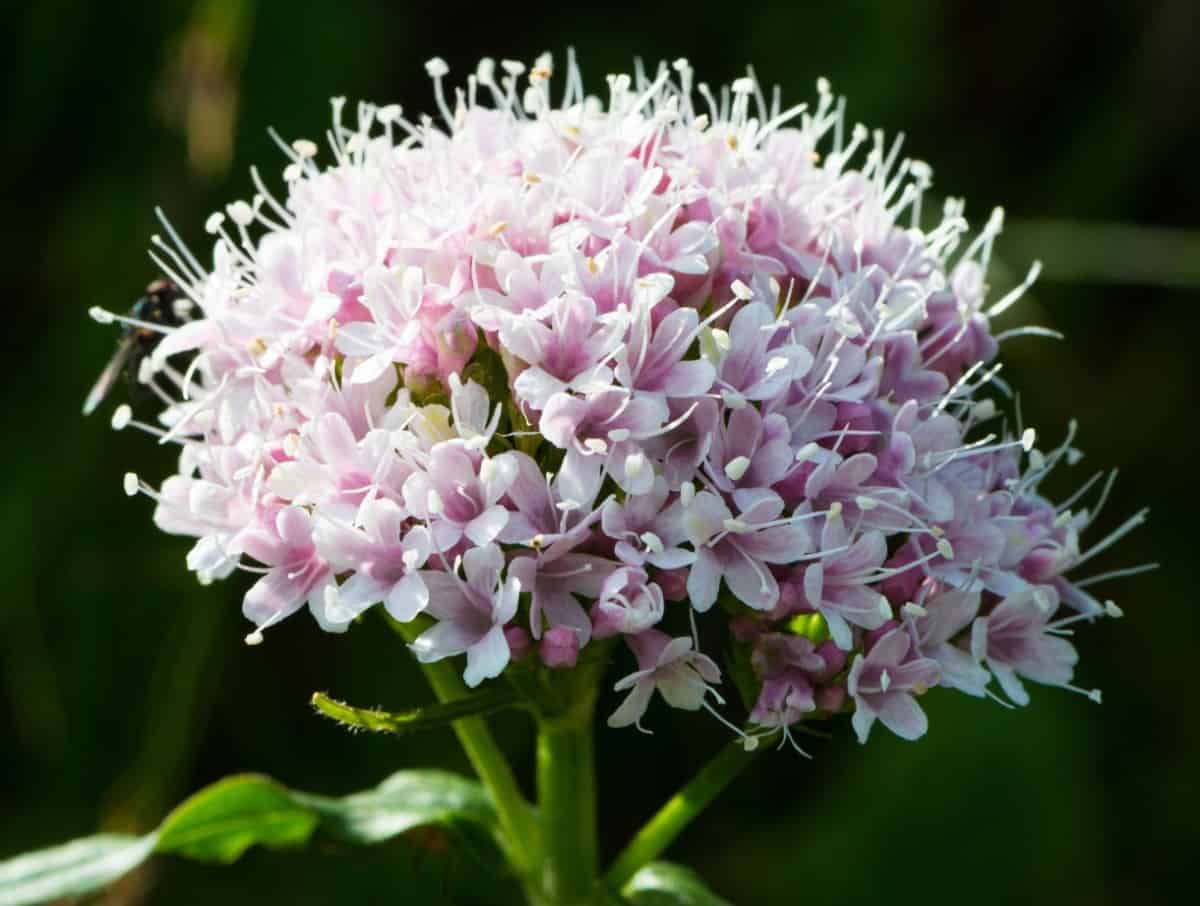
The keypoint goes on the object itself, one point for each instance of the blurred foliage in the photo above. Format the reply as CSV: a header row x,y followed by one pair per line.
x,y
124,685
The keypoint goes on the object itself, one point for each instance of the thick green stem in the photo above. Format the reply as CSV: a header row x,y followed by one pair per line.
x,y
520,832
566,781
661,830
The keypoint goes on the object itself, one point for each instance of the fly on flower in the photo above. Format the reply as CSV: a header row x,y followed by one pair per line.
x,y
163,306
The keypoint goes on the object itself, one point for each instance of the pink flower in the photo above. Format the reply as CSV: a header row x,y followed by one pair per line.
x,y
384,559
669,666
628,604
883,683
471,615
739,550
296,573
1016,639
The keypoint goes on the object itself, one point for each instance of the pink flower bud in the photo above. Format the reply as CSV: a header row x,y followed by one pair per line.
x,y
559,648
519,643
673,583
830,698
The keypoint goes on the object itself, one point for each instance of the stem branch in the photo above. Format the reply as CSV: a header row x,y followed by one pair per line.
x,y
679,811
567,803
517,820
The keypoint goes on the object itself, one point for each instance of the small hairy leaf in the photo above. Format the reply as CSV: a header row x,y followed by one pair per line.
x,y
664,884
413,720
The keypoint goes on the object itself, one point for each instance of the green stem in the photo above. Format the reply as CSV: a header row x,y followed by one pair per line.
x,y
679,811
566,782
520,832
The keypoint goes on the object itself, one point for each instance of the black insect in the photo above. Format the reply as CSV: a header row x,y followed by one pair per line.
x,y
164,304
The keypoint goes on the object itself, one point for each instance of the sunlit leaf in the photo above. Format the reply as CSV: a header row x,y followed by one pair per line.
x,y
222,821
664,884
406,800
71,869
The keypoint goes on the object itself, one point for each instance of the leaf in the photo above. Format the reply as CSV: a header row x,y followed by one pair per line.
x,y
414,720
222,821
71,869
664,884
406,800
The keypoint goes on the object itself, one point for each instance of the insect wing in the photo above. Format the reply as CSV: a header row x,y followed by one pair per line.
x,y
109,375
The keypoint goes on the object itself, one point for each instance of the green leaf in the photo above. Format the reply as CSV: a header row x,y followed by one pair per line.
x,y
224,820
71,869
429,717
664,884
406,800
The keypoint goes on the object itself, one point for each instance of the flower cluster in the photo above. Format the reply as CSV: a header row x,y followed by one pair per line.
x,y
545,374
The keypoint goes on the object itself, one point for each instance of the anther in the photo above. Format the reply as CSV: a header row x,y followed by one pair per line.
x,y
807,452
736,468
654,544
687,493
984,409
776,364
121,417
241,213
131,484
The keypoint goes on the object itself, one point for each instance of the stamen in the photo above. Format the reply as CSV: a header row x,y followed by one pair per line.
x,y
1117,574
1113,537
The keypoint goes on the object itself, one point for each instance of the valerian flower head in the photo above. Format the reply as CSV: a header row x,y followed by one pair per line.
x,y
553,368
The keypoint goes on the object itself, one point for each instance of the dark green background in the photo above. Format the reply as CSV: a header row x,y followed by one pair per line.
x,y
123,684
